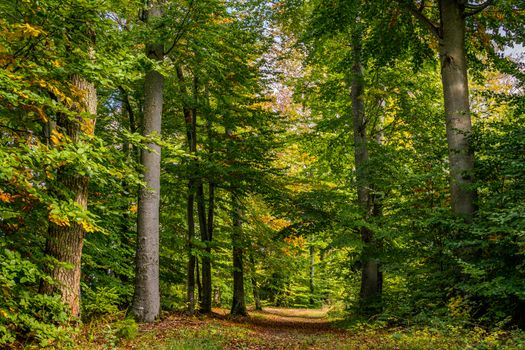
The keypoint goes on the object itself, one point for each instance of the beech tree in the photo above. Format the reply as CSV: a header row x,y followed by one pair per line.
x,y
449,28
146,301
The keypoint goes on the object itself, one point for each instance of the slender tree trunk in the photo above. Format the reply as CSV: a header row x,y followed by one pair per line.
x,y
457,108
146,301
193,186
205,305
255,285
207,284
205,293
65,242
198,279
190,291
312,274
238,303
370,293
217,297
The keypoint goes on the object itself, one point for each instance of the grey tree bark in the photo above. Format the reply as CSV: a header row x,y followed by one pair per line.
x,y
450,33
146,300
371,278
457,106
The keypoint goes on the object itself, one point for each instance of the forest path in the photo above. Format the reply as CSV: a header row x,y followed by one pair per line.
x,y
279,328
272,328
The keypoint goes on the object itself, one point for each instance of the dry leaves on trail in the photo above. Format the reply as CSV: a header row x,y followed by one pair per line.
x,y
273,328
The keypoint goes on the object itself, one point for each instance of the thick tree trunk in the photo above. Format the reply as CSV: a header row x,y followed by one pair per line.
x,y
146,301
457,108
238,302
64,242
370,292
312,274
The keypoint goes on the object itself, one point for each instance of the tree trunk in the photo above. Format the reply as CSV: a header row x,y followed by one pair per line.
x,y
457,108
370,292
255,286
205,292
191,138
207,285
65,242
205,305
190,291
312,274
217,296
198,279
146,301
238,303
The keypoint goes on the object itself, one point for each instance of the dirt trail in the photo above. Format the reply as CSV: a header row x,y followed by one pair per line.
x,y
272,328
274,320
277,328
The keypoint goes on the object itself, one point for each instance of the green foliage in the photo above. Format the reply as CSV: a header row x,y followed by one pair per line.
x,y
99,302
25,315
127,329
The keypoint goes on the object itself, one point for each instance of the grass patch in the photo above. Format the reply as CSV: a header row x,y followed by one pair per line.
x,y
201,343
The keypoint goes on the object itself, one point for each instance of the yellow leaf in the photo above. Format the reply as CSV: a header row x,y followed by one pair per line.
x,y
57,220
56,137
41,114
87,226
29,30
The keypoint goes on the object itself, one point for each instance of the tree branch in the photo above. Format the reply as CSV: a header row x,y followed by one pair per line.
x,y
418,14
421,6
182,25
14,129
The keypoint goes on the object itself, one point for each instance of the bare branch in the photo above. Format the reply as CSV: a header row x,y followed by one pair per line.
x,y
182,28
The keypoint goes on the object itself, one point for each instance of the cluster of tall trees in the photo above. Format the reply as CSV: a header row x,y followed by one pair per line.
x,y
158,155
369,36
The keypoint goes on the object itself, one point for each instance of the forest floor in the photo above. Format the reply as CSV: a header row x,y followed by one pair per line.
x,y
293,329
272,328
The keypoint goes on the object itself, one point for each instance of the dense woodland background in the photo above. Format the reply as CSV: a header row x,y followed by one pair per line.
x,y
163,155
